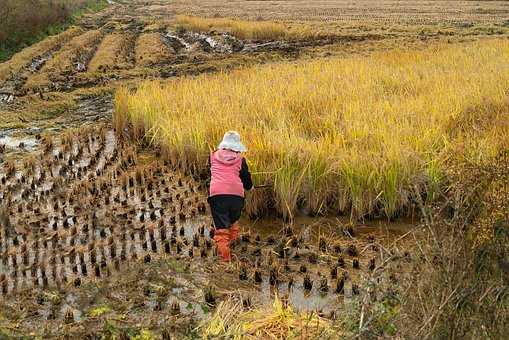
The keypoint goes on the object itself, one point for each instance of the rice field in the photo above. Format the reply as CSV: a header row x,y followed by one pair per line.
x,y
350,111
138,40
85,214
386,12
365,136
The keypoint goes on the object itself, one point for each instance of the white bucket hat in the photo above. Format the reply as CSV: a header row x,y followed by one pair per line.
x,y
231,141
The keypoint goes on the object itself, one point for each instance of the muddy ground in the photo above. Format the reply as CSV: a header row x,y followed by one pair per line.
x,y
99,237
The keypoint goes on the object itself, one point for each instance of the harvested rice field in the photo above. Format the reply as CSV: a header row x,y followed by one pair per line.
x,y
86,209
150,49
377,136
112,53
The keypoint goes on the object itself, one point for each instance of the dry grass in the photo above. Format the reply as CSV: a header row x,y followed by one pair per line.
x,y
112,53
79,49
24,22
354,135
278,321
23,58
35,16
150,50
465,246
248,30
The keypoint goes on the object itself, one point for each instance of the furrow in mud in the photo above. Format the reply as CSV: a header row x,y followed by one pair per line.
x,y
32,58
112,53
14,73
71,59
295,46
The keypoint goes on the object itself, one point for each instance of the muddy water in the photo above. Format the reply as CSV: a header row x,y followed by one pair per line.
x,y
366,240
89,111
19,143
314,227
7,98
38,62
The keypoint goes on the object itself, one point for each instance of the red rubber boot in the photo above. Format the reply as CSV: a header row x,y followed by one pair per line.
x,y
234,231
222,239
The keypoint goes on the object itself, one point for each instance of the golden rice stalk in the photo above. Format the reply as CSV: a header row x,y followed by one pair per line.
x,y
223,317
119,116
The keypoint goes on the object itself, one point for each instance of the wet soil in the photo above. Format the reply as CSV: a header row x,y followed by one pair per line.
x,y
97,234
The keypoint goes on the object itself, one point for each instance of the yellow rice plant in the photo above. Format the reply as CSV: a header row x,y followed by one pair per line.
x,y
119,116
360,135
257,30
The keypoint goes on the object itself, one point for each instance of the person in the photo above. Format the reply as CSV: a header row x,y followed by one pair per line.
x,y
229,179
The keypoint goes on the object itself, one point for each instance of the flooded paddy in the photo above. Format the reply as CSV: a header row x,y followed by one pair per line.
x,y
95,231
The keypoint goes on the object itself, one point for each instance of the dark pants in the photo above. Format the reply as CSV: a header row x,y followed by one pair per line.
x,y
225,209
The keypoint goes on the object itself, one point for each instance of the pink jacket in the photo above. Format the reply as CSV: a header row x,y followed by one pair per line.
x,y
225,166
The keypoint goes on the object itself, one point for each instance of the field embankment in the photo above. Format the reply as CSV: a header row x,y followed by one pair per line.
x,y
360,135
24,22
